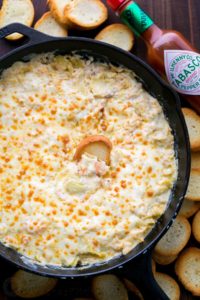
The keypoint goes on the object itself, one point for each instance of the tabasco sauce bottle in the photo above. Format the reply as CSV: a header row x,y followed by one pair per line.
x,y
167,50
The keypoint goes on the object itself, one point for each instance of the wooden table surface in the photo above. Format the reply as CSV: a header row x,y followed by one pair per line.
x,y
181,15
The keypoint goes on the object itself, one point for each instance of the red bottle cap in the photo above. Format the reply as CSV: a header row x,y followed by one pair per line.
x,y
114,4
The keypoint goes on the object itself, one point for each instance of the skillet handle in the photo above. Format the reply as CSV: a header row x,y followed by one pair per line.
x,y
33,35
139,271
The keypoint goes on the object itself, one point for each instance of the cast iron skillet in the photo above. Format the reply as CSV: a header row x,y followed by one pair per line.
x,y
136,265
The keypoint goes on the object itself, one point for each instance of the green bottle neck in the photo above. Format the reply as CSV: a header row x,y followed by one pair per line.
x,y
135,18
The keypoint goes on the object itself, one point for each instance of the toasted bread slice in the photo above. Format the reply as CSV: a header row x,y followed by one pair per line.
x,y
85,14
118,35
96,145
57,9
20,11
195,160
175,239
133,289
168,285
28,285
164,260
48,25
187,269
108,286
193,191
196,226
189,208
193,125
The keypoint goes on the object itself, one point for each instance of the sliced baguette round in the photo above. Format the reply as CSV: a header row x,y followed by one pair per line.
x,y
187,269
108,286
85,14
97,145
195,160
193,191
28,285
196,226
168,285
193,125
20,11
189,208
57,9
48,25
118,35
175,239
163,260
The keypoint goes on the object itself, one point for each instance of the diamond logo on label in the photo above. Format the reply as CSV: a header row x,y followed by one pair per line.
x,y
183,71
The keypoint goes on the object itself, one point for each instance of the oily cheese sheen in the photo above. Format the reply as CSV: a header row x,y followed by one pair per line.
x,y
60,211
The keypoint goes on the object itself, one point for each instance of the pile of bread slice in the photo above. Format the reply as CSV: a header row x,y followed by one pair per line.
x,y
64,15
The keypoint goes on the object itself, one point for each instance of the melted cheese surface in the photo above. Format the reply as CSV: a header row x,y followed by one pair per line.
x,y
62,212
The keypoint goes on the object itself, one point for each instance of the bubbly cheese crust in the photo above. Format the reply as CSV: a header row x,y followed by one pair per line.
x,y
62,212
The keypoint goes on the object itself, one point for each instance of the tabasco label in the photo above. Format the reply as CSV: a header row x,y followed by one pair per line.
x,y
183,71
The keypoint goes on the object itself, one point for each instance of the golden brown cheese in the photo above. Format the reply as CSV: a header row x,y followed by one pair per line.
x,y
63,212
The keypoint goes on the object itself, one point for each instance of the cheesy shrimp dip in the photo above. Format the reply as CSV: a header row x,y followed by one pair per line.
x,y
59,210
